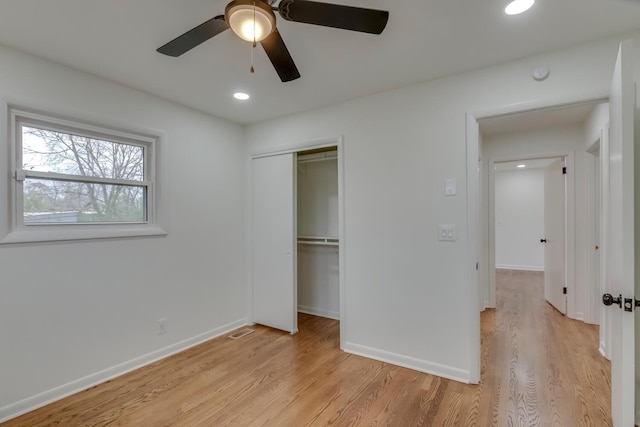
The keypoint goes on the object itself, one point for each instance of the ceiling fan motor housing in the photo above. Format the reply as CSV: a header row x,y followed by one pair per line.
x,y
251,20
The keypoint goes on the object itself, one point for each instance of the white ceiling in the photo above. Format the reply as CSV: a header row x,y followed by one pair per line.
x,y
424,39
568,115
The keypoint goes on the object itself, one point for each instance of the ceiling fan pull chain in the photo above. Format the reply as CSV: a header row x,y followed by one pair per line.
x,y
252,69
254,37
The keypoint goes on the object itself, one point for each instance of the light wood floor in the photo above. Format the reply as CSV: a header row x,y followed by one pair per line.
x,y
538,368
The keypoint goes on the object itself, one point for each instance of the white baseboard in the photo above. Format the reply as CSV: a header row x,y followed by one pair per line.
x,y
603,350
487,304
318,312
16,409
578,316
520,267
444,371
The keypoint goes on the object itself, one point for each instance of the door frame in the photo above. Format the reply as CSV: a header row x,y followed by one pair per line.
x,y
595,236
473,200
605,315
335,141
570,236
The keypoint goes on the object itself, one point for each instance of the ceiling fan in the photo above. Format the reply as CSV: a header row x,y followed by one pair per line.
x,y
255,21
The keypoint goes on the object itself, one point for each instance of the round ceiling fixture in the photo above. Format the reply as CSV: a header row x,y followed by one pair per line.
x,y
251,20
516,7
540,73
241,96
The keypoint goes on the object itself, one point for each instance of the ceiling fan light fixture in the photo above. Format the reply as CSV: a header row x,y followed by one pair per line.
x,y
517,7
251,20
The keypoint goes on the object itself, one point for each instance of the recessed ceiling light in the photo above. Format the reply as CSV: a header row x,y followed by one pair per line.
x,y
522,166
518,6
241,96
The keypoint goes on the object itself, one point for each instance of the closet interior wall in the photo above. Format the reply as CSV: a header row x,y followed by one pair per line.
x,y
317,225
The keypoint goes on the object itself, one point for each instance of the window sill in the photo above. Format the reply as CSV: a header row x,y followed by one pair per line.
x,y
33,234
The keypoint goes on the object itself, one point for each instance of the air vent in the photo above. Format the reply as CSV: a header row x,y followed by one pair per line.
x,y
240,334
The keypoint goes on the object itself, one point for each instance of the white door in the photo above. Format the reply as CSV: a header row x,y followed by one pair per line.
x,y
554,230
274,246
620,262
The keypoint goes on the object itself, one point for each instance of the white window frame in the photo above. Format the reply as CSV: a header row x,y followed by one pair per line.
x,y
13,228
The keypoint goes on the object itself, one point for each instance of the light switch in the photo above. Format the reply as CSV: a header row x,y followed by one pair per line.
x,y
447,233
450,187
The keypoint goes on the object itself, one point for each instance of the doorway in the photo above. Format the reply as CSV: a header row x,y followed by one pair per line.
x,y
530,222
538,134
317,233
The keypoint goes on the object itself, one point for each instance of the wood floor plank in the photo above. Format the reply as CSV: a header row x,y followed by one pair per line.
x,y
538,368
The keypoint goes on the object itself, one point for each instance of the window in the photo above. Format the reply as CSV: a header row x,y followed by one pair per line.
x,y
77,181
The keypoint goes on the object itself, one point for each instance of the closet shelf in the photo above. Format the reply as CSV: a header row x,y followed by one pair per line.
x,y
318,241
328,156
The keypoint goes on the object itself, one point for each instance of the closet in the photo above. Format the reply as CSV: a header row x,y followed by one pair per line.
x,y
317,233
295,237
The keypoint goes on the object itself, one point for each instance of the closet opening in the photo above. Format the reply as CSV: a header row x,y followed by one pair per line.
x,y
318,244
297,240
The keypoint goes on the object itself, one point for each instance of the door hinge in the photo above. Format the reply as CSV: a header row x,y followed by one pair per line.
x,y
477,266
564,170
564,290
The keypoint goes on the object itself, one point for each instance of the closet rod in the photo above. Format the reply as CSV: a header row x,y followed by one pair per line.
x,y
318,240
312,243
320,159
322,238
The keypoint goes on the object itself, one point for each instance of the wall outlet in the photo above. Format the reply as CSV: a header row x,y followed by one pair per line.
x,y
162,326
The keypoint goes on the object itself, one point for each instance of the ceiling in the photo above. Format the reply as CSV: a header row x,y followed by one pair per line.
x,y
567,115
424,39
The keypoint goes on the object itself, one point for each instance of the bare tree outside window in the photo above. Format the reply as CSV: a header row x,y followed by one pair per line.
x,y
65,196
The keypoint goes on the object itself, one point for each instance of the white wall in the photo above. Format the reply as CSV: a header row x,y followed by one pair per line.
x,y
318,266
408,296
598,119
75,313
519,213
319,281
318,198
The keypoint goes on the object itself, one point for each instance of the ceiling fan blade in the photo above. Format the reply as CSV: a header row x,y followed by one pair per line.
x,y
280,57
194,37
334,15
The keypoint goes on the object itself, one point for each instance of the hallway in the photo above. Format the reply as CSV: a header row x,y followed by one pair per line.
x,y
544,368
